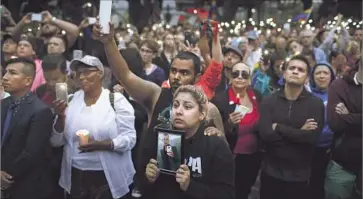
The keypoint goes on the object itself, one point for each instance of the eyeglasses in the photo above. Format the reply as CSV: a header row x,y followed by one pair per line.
x,y
143,50
85,72
237,73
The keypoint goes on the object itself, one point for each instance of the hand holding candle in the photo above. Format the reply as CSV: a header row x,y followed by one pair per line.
x,y
87,144
83,137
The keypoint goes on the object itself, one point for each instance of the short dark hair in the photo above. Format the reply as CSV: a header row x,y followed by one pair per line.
x,y
189,56
334,54
63,38
54,61
277,55
133,59
300,57
28,65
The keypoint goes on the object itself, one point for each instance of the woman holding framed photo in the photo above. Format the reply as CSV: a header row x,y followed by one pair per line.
x,y
208,170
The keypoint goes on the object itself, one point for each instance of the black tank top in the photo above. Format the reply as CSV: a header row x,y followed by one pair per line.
x,y
162,109
148,143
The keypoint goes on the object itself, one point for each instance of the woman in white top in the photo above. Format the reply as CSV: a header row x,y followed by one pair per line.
x,y
101,169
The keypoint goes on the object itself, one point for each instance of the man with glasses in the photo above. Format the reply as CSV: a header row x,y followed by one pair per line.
x,y
290,123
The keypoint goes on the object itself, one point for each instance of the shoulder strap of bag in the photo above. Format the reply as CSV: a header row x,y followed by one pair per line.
x,y
112,100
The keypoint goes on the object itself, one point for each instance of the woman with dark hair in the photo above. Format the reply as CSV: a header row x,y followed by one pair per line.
x,y
133,59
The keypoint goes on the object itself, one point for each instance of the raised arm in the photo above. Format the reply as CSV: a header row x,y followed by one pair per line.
x,y
20,25
204,49
144,92
71,29
212,76
7,15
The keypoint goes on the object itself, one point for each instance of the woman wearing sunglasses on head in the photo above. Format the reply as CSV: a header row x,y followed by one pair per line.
x,y
239,107
209,168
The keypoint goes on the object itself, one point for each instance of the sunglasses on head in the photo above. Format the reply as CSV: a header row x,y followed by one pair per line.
x,y
244,74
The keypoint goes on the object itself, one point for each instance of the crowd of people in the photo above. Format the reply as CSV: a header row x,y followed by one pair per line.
x,y
281,106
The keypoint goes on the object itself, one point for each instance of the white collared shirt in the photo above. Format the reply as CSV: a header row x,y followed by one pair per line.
x,y
89,161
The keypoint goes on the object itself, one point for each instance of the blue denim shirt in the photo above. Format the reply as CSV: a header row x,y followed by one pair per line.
x,y
320,56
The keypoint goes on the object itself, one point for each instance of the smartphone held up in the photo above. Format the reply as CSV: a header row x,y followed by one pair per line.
x,y
61,90
37,17
105,15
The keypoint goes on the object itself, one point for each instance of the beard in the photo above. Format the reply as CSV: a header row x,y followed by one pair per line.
x,y
174,86
48,33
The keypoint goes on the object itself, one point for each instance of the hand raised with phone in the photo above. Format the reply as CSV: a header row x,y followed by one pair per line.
x,y
98,35
5,12
46,17
60,107
27,19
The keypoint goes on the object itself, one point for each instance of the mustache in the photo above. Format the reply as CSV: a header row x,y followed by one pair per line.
x,y
175,84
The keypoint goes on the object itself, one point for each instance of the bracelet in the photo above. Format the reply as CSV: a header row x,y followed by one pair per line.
x,y
53,19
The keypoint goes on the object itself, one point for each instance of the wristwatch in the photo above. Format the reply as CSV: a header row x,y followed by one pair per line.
x,y
53,19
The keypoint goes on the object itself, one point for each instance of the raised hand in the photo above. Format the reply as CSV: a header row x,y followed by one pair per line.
x,y
47,17
27,19
98,35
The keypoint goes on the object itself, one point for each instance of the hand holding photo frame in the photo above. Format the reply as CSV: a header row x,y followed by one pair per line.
x,y
170,150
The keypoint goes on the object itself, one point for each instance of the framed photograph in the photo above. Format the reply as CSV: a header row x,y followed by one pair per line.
x,y
170,150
